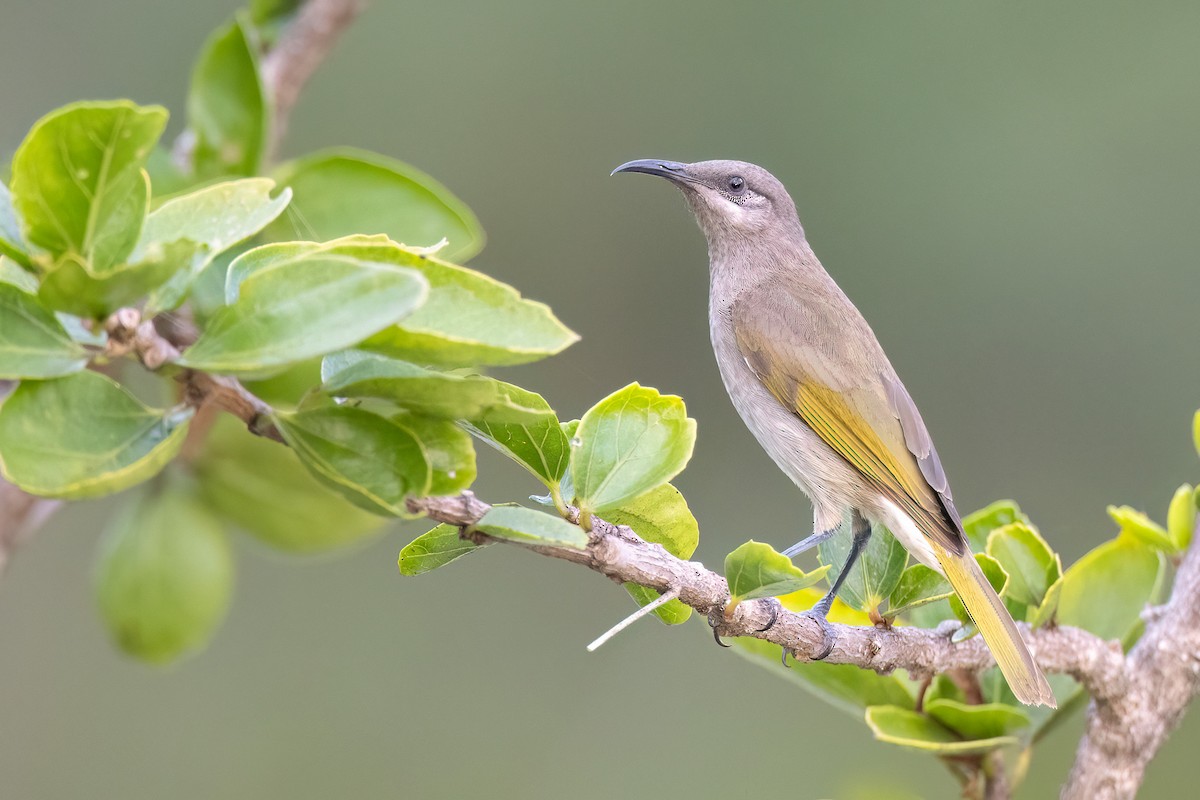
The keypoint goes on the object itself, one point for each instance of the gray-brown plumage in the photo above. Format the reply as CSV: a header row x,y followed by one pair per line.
x,y
810,380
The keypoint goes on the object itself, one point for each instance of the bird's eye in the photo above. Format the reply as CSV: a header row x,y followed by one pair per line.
x,y
736,184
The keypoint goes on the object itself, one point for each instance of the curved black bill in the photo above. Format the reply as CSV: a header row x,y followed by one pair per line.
x,y
672,170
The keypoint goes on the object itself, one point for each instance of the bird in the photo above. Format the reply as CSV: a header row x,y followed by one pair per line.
x,y
812,383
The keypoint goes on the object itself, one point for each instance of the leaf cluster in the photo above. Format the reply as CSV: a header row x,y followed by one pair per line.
x,y
1103,592
298,283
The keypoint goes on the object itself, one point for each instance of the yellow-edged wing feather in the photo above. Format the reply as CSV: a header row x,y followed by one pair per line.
x,y
840,384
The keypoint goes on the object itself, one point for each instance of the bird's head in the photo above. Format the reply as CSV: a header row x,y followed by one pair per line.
x,y
731,199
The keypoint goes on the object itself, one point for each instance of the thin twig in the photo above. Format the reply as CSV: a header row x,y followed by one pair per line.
x,y
644,611
127,334
297,53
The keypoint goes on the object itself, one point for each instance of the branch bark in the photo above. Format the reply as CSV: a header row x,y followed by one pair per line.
x,y
127,334
618,553
1126,728
298,52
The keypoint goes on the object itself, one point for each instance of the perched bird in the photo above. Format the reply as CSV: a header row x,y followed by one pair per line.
x,y
812,383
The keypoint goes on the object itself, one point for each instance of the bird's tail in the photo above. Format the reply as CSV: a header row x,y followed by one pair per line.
x,y
992,619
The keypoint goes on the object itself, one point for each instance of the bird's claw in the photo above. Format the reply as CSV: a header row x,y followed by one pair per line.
x,y
830,636
773,606
714,621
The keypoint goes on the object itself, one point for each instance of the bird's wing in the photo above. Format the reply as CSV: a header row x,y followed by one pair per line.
x,y
843,387
920,444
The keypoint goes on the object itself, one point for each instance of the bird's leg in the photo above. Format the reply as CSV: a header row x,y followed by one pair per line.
x,y
819,612
809,543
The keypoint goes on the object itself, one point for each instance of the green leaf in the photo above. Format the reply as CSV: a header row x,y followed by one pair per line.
x,y
165,575
373,462
303,307
78,181
630,442
33,344
844,686
929,615
14,274
1181,517
84,436
996,576
82,333
537,443
1031,565
1105,591
1137,524
449,452
166,177
916,731
978,525
1049,606
1196,432
69,287
354,373
942,687
755,570
12,242
526,525
434,549
266,11
840,613
984,721
343,192
288,387
214,218
876,573
661,516
263,488
468,319
226,106
918,585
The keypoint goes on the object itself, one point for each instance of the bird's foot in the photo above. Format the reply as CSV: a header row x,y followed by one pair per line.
x,y
827,631
773,607
716,618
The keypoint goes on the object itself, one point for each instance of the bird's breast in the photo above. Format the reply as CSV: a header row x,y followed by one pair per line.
x,y
796,449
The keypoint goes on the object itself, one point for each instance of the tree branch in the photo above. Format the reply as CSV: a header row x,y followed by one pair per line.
x,y
1125,729
127,334
618,553
1137,700
298,52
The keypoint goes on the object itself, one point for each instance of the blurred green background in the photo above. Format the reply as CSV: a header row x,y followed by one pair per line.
x,y
1008,191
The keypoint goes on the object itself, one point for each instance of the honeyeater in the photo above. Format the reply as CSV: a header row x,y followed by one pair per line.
x,y
810,380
